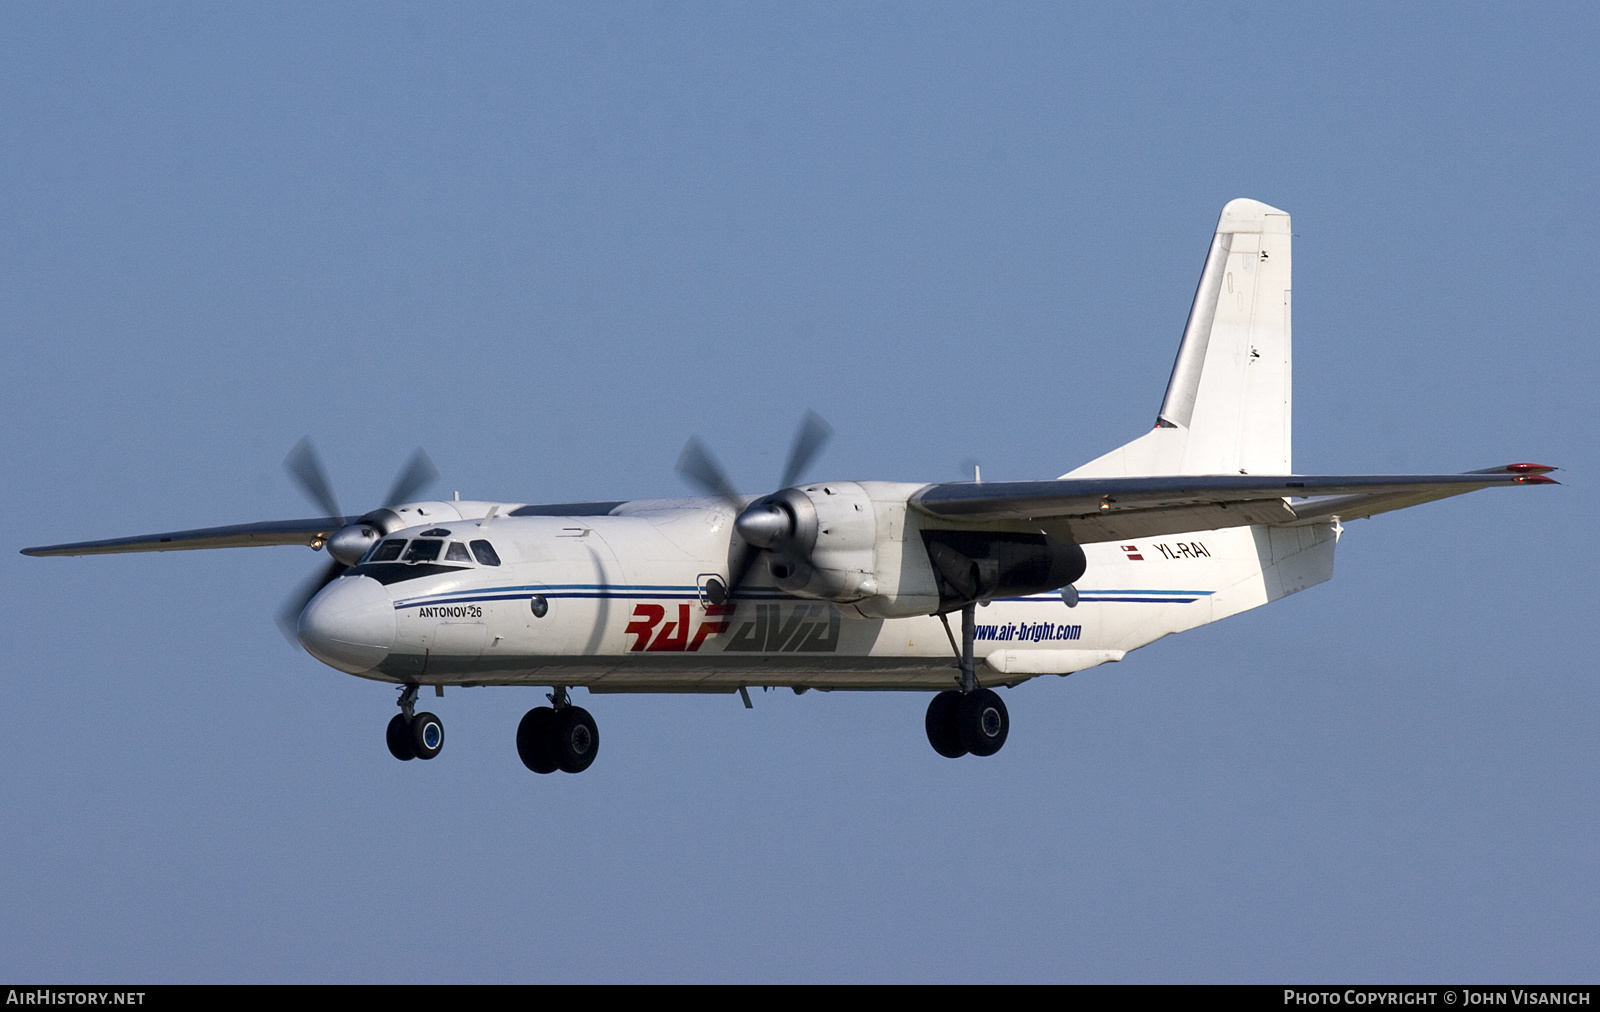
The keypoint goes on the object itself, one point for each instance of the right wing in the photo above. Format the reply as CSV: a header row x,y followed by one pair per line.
x,y
1089,510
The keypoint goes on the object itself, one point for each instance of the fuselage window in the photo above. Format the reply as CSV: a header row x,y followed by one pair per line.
x,y
386,551
457,552
485,553
423,550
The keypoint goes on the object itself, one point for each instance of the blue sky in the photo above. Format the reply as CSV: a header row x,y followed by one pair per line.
x,y
549,242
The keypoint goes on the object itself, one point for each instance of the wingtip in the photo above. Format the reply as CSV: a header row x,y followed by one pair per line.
x,y
1524,471
1532,474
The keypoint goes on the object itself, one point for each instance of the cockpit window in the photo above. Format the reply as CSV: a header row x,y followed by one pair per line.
x,y
485,553
386,551
423,550
457,552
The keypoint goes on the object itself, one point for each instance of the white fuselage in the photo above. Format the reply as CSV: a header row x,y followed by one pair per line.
x,y
618,602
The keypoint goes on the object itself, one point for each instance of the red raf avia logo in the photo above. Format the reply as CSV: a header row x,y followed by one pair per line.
x,y
673,635
807,628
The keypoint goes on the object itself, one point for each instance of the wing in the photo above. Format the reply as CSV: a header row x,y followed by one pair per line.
x,y
311,532
1088,510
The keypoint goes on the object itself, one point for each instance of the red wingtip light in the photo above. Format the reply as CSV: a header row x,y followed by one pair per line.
x,y
1528,468
1535,479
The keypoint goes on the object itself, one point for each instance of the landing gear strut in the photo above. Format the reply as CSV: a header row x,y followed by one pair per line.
x,y
972,719
413,735
558,737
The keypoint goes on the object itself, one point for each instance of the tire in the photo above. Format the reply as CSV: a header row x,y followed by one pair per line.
x,y
984,722
399,737
427,735
943,733
574,739
533,740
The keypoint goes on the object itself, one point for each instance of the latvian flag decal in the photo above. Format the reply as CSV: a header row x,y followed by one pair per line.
x,y
1133,553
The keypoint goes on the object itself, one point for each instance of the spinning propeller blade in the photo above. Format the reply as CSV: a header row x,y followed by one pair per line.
x,y
809,440
294,604
417,475
700,468
305,467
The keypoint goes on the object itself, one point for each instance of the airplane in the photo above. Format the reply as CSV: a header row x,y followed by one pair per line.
x,y
849,585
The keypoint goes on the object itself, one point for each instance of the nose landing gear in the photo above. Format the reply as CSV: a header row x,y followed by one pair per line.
x,y
558,737
413,735
970,720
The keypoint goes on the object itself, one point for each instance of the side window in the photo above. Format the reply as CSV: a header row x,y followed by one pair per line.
x,y
386,551
457,552
423,550
485,553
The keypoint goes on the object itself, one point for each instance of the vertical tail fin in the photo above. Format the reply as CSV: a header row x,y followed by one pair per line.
x,y
1227,407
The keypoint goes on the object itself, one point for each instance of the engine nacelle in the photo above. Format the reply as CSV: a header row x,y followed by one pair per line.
x,y
825,540
983,565
859,544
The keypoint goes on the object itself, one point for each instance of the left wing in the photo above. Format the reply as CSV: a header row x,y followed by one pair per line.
x,y
312,532
1089,510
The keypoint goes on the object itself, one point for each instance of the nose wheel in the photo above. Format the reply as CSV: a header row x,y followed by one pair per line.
x,y
558,737
413,735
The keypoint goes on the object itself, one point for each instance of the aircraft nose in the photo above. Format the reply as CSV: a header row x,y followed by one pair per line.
x,y
349,625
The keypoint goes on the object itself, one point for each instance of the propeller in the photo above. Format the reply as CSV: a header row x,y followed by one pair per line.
x,y
417,475
305,467
350,542
294,604
768,524
809,440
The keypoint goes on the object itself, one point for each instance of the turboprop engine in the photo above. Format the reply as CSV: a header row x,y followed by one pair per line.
x,y
822,541
858,544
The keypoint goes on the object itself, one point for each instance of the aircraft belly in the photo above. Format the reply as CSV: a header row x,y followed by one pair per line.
x,y
721,673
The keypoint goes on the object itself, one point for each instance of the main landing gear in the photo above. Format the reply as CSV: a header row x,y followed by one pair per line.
x,y
413,735
971,719
558,737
